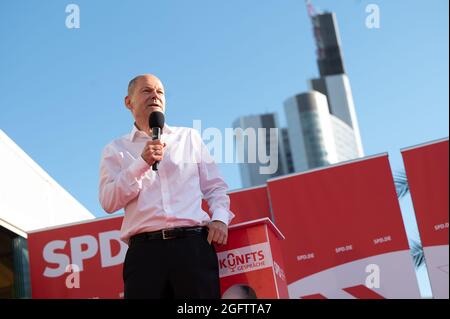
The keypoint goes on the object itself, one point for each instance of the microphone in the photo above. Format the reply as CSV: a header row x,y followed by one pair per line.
x,y
156,123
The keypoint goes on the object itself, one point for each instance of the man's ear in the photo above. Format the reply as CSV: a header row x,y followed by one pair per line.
x,y
128,102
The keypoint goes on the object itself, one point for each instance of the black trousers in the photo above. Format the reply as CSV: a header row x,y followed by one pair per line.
x,y
180,268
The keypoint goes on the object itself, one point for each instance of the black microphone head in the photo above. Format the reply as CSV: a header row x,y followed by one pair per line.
x,y
156,119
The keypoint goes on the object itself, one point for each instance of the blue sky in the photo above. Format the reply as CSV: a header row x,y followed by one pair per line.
x,y
62,89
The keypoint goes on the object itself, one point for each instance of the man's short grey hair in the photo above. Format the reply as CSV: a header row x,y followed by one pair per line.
x,y
132,84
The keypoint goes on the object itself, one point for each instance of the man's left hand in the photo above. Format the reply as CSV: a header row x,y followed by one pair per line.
x,y
218,232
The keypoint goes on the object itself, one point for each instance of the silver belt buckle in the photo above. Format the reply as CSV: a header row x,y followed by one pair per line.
x,y
166,236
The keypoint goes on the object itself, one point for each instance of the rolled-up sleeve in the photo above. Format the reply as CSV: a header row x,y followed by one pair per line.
x,y
119,186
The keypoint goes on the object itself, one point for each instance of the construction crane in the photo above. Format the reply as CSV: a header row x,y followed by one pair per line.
x,y
310,7
320,51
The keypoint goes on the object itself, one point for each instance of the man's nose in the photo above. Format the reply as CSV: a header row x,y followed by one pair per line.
x,y
153,95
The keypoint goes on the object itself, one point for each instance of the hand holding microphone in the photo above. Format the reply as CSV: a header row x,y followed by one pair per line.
x,y
153,151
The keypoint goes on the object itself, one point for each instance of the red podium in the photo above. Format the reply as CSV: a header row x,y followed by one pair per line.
x,y
251,264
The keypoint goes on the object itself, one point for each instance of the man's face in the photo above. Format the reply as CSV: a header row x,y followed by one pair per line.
x,y
147,96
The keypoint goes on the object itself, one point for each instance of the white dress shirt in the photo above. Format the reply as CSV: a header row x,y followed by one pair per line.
x,y
170,197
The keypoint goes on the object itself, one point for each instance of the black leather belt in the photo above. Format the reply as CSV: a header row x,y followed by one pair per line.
x,y
170,233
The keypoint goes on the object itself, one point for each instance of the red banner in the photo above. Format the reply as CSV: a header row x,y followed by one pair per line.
x,y
427,171
344,232
78,261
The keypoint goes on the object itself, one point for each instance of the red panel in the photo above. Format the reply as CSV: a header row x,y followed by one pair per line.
x,y
427,172
96,279
337,215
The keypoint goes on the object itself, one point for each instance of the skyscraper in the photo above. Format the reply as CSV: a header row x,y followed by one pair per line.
x,y
322,124
286,149
250,145
326,34
333,80
339,96
316,137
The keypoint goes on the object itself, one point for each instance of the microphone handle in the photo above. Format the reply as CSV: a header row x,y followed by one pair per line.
x,y
156,135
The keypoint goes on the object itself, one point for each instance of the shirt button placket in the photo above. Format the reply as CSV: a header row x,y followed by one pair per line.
x,y
165,196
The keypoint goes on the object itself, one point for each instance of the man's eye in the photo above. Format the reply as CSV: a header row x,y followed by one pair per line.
x,y
160,92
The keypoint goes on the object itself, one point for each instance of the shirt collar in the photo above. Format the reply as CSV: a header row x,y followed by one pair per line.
x,y
135,131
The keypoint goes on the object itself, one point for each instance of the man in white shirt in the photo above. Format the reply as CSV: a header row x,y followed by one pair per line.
x,y
170,238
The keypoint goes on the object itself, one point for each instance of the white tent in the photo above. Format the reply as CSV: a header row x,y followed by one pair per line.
x,y
30,198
